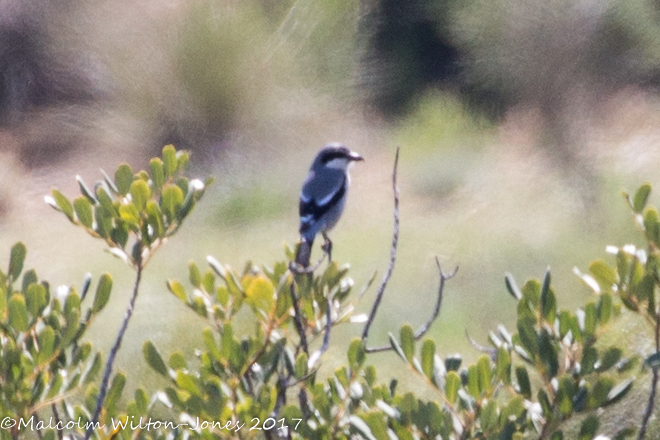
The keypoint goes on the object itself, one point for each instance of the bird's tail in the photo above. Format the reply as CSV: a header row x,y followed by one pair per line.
x,y
304,252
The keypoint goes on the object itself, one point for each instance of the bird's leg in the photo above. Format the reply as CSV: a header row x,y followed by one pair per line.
x,y
327,246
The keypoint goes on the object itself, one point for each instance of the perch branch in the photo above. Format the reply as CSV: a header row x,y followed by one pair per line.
x,y
297,318
113,353
654,385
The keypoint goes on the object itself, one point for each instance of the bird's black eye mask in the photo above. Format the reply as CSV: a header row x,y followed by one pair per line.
x,y
331,155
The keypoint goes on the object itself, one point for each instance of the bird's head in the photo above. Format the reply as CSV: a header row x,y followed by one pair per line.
x,y
336,156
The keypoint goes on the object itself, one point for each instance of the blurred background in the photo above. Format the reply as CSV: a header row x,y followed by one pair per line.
x,y
519,122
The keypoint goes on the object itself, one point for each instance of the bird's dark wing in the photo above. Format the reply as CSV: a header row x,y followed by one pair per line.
x,y
319,195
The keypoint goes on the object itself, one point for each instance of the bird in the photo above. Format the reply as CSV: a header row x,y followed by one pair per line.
x,y
323,197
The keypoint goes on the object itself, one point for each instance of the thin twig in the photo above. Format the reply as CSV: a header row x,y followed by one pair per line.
x,y
113,353
56,414
490,351
390,269
39,434
297,268
297,318
328,325
654,385
436,311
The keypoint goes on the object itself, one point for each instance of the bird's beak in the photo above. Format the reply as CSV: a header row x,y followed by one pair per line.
x,y
355,157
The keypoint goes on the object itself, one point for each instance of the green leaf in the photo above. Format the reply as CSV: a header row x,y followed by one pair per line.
x,y
84,189
548,354
489,416
29,277
356,354
18,316
610,358
605,308
546,406
102,295
169,160
624,433
260,294
548,303
473,382
428,355
549,306
361,427
114,393
211,346
565,392
590,319
523,382
618,392
187,382
603,273
93,370
407,342
452,385
589,359
153,358
157,172
141,401
104,221
528,336
512,287
397,348
485,374
104,199
194,275
531,292
171,201
177,361
600,391
503,366
515,409
124,178
155,218
641,197
16,260
3,300
182,158
178,290
140,193
62,203
35,299
46,344
301,365
652,225
83,210
130,214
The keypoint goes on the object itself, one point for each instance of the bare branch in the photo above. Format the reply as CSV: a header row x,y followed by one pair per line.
x,y
53,407
490,351
654,385
328,325
113,353
297,268
436,311
390,269
297,318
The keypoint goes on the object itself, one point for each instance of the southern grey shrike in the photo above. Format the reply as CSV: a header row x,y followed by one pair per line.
x,y
323,197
